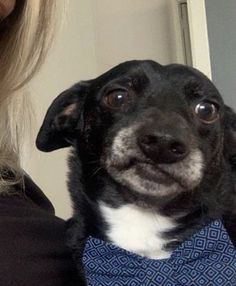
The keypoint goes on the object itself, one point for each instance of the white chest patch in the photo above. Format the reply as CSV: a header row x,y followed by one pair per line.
x,y
137,230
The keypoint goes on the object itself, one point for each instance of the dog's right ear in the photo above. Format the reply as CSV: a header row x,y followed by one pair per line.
x,y
63,120
230,136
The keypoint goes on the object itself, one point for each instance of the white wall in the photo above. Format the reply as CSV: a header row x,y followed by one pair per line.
x,y
98,34
132,29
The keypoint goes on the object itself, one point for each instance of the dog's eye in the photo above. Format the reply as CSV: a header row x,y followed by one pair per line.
x,y
207,112
116,99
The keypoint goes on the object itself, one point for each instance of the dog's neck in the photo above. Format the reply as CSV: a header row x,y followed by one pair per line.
x,y
142,224
149,227
138,230
179,216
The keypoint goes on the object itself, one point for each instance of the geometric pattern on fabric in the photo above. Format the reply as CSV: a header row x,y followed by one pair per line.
x,y
208,258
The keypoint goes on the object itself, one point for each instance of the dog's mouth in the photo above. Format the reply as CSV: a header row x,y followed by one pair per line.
x,y
152,173
146,170
145,176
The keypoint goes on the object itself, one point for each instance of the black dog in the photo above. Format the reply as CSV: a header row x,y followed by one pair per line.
x,y
153,156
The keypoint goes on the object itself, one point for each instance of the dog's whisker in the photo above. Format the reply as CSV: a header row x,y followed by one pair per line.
x,y
96,171
92,162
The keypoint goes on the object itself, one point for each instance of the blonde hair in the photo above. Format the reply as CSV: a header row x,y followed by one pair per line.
x,y
25,37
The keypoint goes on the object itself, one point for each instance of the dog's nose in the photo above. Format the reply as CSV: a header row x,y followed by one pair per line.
x,y
163,148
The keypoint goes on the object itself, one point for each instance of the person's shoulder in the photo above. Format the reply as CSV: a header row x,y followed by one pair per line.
x,y
25,199
35,239
35,194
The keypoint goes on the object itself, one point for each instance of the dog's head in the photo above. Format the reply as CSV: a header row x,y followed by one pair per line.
x,y
154,129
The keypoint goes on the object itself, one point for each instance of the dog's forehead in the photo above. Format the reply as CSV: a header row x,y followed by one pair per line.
x,y
153,72
155,79
129,70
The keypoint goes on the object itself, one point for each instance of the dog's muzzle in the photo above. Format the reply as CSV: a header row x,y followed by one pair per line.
x,y
157,155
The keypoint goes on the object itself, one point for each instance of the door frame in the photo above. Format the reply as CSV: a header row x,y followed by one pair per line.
x,y
198,34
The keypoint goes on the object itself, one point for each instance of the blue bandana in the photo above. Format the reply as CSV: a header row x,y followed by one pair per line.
x,y
208,258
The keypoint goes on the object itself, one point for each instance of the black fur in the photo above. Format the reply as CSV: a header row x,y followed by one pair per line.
x,y
165,98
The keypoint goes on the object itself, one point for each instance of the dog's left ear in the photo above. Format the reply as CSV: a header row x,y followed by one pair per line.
x,y
230,136
63,120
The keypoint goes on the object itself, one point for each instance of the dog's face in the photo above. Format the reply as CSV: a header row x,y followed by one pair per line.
x,y
154,129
